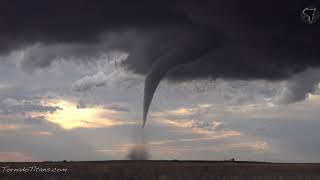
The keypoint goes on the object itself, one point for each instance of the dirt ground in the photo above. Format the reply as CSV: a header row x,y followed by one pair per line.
x,y
160,170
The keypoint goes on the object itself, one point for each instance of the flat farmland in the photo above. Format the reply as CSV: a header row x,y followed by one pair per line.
x,y
159,170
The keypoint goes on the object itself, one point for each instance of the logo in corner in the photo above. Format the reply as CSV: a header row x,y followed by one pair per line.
x,y
310,15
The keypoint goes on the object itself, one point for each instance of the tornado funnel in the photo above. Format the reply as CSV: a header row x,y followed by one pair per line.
x,y
162,66
157,72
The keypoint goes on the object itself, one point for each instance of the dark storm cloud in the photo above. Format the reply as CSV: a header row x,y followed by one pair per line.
x,y
74,20
177,39
256,40
244,32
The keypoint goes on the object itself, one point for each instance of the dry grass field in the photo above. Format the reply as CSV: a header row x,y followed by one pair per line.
x,y
159,170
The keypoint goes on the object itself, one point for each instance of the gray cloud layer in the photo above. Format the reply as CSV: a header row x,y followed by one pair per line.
x,y
13,106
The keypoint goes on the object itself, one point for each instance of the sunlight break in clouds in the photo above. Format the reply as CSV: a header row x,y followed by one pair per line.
x,y
70,116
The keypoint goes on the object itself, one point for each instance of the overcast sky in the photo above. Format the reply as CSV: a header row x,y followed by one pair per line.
x,y
76,78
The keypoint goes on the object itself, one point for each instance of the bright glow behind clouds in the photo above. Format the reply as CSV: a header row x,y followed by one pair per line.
x,y
70,116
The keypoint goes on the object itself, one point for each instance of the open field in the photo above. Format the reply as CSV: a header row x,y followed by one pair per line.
x,y
159,170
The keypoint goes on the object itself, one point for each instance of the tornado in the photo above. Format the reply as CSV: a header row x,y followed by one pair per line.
x,y
153,78
189,53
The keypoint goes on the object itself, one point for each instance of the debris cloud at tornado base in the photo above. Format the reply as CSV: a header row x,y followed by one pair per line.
x,y
140,149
